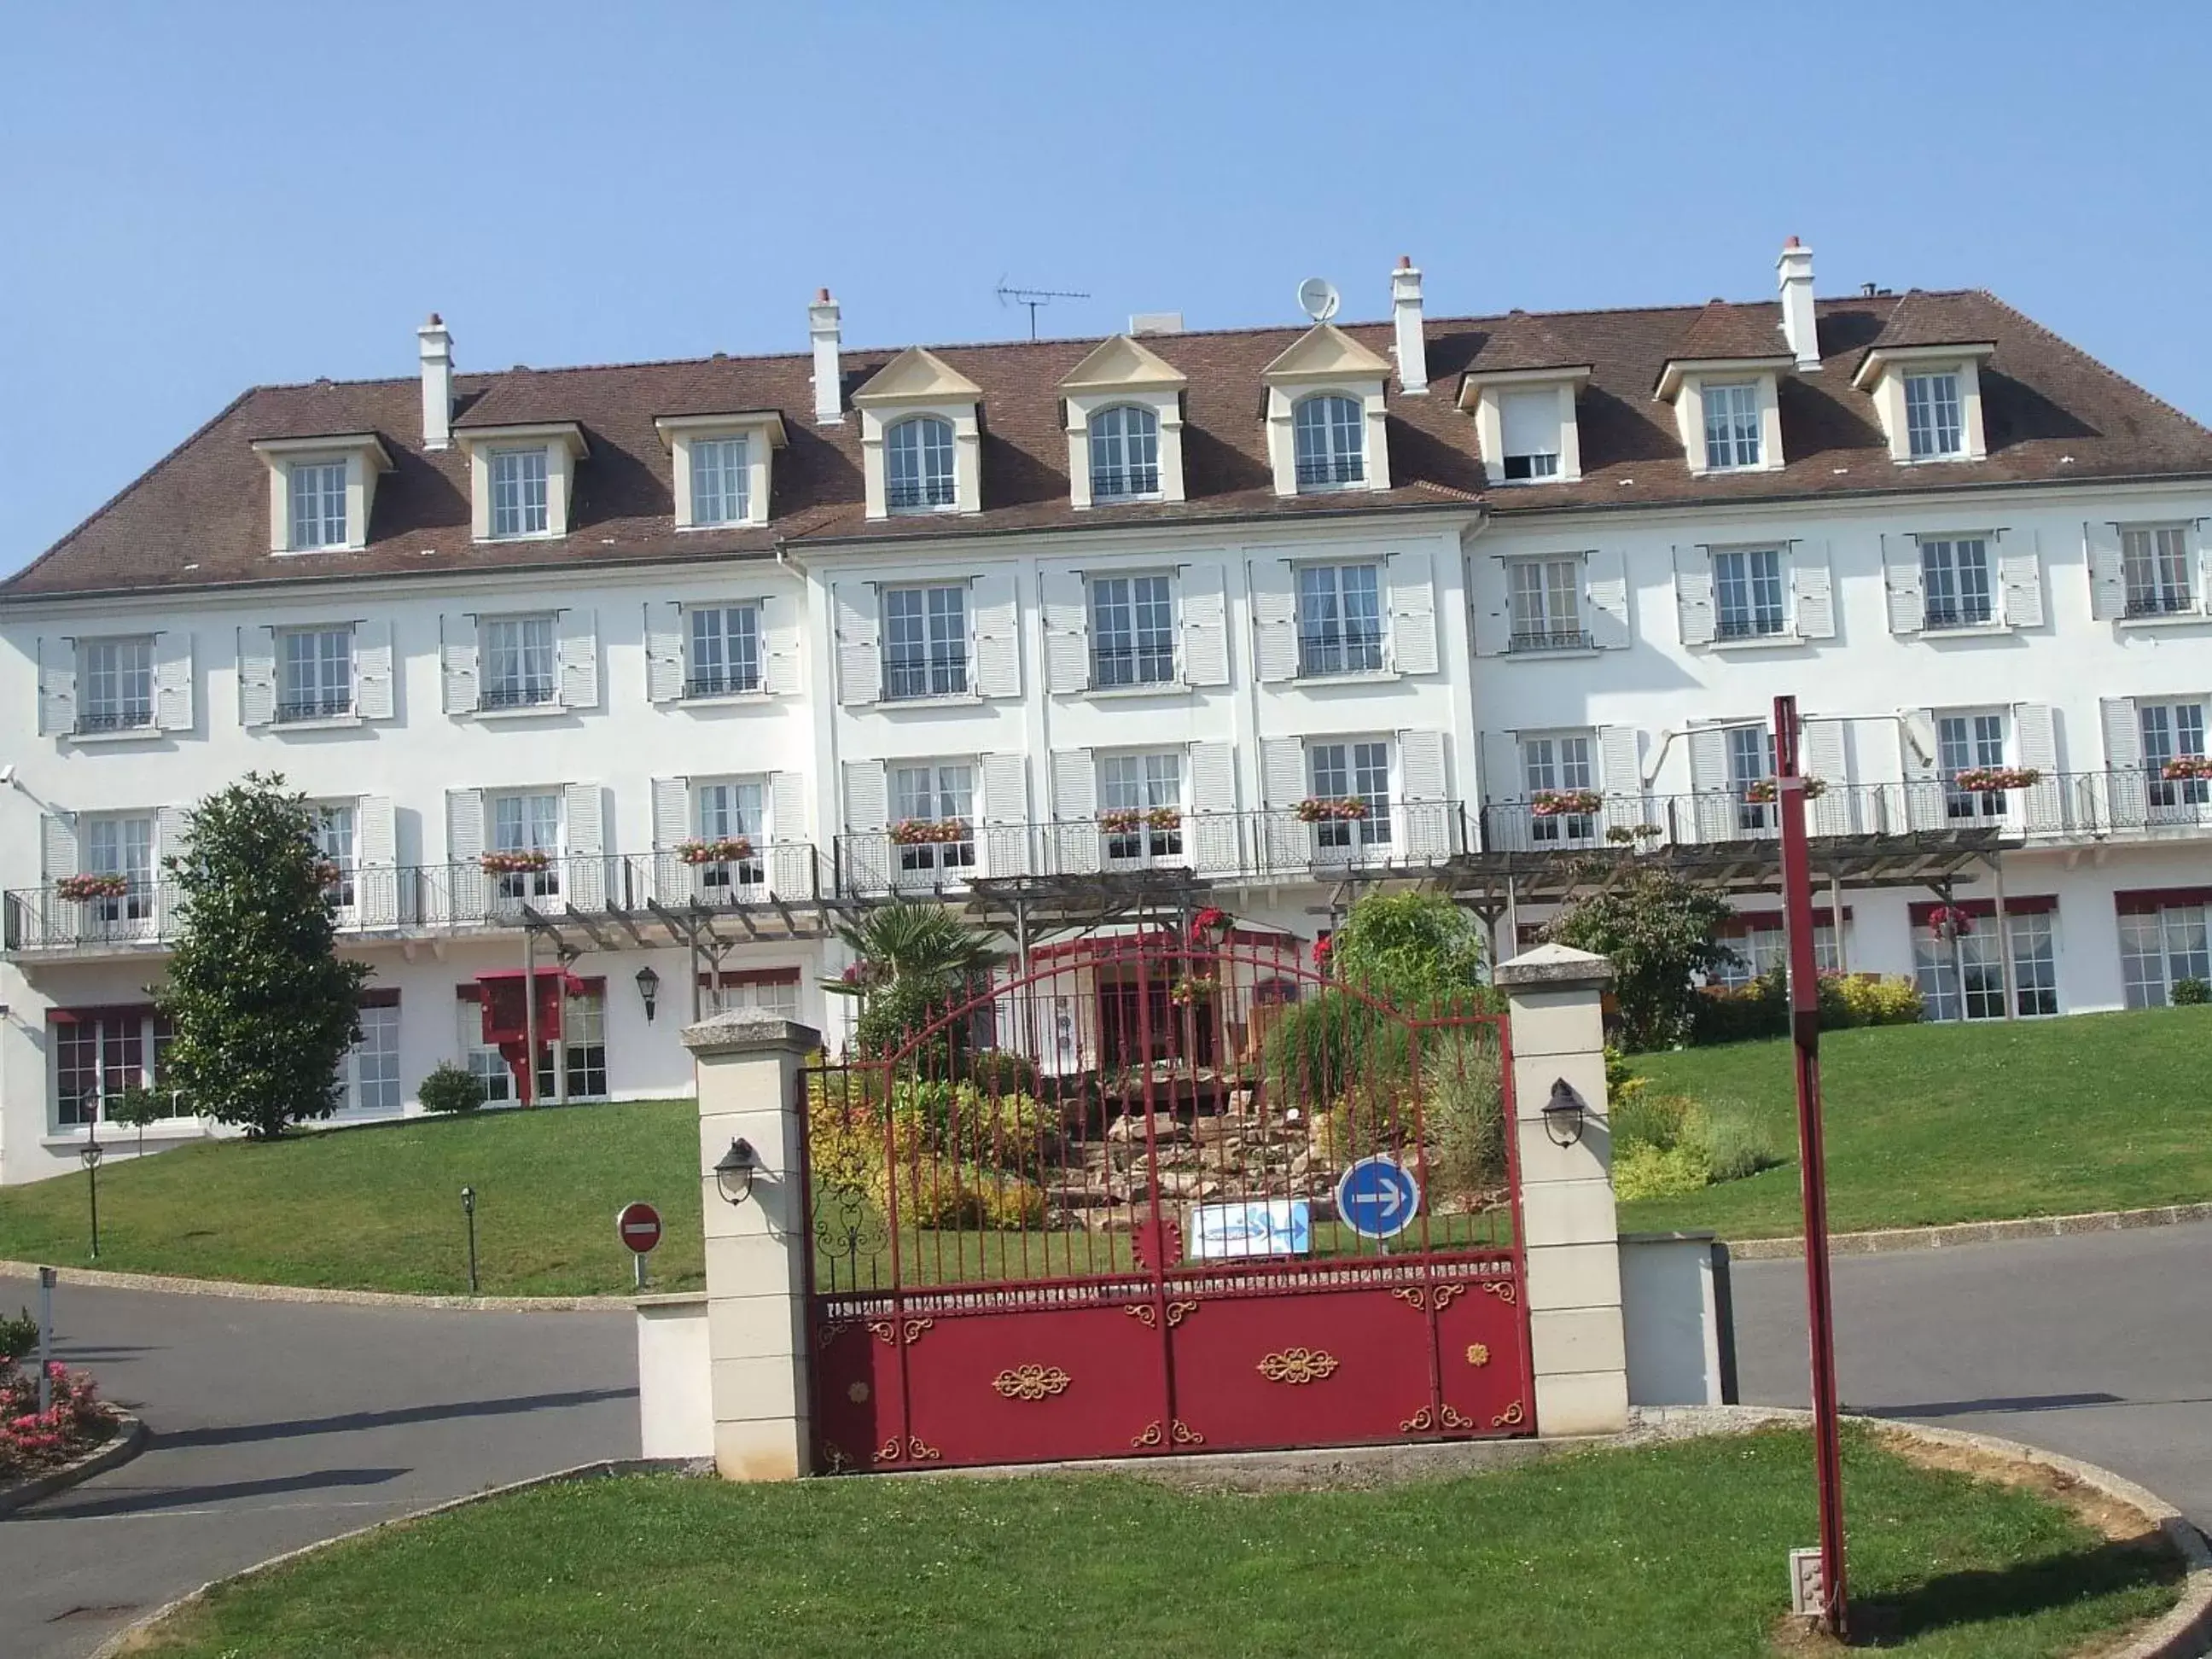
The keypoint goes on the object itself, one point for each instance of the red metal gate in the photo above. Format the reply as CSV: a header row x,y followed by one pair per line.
x,y
1090,1213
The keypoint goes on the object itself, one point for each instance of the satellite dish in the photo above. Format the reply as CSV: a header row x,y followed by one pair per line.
x,y
1318,298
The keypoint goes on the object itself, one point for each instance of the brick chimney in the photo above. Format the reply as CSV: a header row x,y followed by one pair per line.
x,y
1413,346
823,328
1794,270
437,350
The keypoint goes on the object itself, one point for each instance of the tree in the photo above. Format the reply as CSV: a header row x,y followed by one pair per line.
x,y
912,963
1411,949
1661,932
262,1009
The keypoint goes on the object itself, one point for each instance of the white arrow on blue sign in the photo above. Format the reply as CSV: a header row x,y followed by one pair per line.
x,y
1377,1197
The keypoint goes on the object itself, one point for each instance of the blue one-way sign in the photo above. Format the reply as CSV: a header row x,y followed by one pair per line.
x,y
1378,1196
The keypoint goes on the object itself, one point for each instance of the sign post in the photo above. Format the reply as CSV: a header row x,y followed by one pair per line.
x,y
637,1227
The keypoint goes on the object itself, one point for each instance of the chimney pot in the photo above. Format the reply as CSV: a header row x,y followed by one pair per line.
x,y
1800,327
820,294
826,331
435,345
1411,345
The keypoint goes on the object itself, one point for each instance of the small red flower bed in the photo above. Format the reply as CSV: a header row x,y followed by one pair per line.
x,y
32,1441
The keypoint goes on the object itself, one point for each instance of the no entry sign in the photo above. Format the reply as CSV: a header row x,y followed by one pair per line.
x,y
638,1227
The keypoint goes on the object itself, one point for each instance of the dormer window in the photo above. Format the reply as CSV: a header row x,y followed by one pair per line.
x,y
1124,409
1325,415
1528,429
522,479
318,504
1731,426
1521,386
321,490
1331,434
918,457
1926,384
720,484
518,492
720,465
1934,426
921,437
1125,454
1723,378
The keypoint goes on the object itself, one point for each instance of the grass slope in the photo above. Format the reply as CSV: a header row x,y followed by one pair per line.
x,y
1981,1121
1668,1551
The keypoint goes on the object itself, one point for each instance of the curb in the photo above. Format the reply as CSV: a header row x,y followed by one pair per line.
x,y
1891,1239
126,1443
240,1291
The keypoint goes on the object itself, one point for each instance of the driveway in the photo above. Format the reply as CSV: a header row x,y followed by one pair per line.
x,y
2098,1345
277,1424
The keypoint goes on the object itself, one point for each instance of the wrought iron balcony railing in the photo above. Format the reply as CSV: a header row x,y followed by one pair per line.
x,y
1328,472
2161,601
1524,641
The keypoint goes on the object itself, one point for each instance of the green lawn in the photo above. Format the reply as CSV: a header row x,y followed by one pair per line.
x,y
1676,1550
1936,1123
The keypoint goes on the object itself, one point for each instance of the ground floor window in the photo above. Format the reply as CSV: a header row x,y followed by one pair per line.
x,y
2162,943
1761,946
370,1074
483,1059
769,991
97,1053
1964,978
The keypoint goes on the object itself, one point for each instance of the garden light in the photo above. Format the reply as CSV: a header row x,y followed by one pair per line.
x,y
648,987
90,1154
1563,1114
734,1173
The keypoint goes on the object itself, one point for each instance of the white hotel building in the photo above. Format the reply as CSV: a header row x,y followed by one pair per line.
x,y
1105,614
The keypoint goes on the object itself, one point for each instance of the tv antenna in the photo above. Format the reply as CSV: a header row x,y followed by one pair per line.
x,y
1318,298
1033,298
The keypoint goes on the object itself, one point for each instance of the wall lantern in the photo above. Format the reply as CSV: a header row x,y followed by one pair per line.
x,y
734,1174
648,987
1563,1114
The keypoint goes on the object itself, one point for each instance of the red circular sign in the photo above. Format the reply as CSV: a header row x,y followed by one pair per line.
x,y
638,1227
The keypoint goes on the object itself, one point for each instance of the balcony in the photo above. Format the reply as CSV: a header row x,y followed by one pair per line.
x,y
1530,642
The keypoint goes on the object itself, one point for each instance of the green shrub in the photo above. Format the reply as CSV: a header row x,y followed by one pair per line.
x,y
1655,1121
1646,1171
1738,1142
1322,1047
1410,948
1463,1110
1874,1000
1001,1072
19,1337
2192,992
451,1089
1621,1083
1742,1013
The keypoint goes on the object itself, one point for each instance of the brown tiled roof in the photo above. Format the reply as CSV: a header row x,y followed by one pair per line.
x,y
1723,331
1921,319
200,517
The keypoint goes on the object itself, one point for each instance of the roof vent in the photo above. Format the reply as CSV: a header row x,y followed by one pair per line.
x,y
1156,322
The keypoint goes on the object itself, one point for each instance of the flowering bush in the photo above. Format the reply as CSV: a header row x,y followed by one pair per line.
x,y
1565,803
1980,780
31,1439
2184,768
723,849
929,832
97,884
514,861
1762,790
1326,809
1324,947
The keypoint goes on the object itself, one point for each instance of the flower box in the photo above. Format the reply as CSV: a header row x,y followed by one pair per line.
x,y
1326,809
2183,768
723,849
1986,780
1565,803
929,832
1163,817
517,861
1761,791
97,884
1120,820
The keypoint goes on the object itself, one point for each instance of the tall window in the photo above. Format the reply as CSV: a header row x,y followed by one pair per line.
x,y
485,1062
335,840
315,674
1131,630
1747,586
1731,426
2161,946
371,1069
1965,976
1963,742
1340,619
1954,580
1361,771
1751,761
584,1045
121,847
1149,787
1762,947
518,661
528,823
918,464
1933,425
1329,433
724,651
1528,428
318,504
118,685
2154,563
1546,592
721,481
1558,763
518,492
1125,454
729,811
97,1058
2172,732
935,794
926,641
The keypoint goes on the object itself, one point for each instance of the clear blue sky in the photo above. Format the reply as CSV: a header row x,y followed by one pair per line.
x,y
197,198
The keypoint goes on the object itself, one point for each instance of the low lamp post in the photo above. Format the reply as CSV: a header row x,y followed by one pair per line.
x,y
89,1155
469,1212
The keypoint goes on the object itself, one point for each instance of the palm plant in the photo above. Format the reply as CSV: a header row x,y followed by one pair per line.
x,y
911,962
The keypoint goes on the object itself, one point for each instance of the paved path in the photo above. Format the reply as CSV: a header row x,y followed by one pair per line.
x,y
276,1423
2099,1344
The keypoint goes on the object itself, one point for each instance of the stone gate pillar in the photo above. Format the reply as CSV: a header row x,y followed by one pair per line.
x,y
1571,1238
747,1066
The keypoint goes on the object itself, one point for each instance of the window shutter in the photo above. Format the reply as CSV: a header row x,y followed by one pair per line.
x,y
1900,577
1004,844
1503,778
2127,798
1205,625
580,658
1816,601
672,812
464,825
1693,595
2020,574
585,814
1618,764
1426,794
1283,771
1490,601
860,648
1923,792
664,651
1714,809
57,846
171,838
1274,622
1214,842
780,624
2035,736
867,796
257,677
376,882
1074,812
56,687
1529,423
1412,611
997,639
172,682
2204,573
1066,631
457,655
787,807
1606,586
2108,585
1824,758
375,661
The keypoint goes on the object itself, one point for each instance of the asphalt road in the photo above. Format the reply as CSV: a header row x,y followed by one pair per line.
x,y
2098,1345
276,1423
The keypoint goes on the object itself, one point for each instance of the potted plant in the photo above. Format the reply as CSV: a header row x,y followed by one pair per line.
x,y
929,832
1565,803
720,849
1120,820
514,861
1760,790
1987,779
1948,922
2183,768
1209,924
1163,817
1192,989
94,884
1330,809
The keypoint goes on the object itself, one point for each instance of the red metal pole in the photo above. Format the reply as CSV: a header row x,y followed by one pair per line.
x,y
1805,1035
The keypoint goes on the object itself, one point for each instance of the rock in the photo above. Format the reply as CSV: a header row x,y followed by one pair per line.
x,y
1300,1164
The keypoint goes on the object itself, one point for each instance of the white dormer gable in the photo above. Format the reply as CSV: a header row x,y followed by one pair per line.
x,y
1327,363
321,490
719,497
918,385
522,478
1728,410
1123,374
1928,399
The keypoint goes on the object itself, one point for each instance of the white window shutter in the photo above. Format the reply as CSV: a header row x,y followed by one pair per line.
x,y
1205,625
56,687
257,677
1425,789
859,645
786,806
998,636
1213,840
1825,757
585,815
1693,595
1066,631
1606,586
464,825
867,795
172,681
1074,812
2127,798
1917,752
1005,842
2108,585
779,625
57,846
1900,577
1491,600
1713,807
1617,763
1274,622
376,882
664,651
672,812
170,839
1503,777
2019,574
457,657
2205,573
375,663
1283,771
2035,739
580,658
1413,582
1814,587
